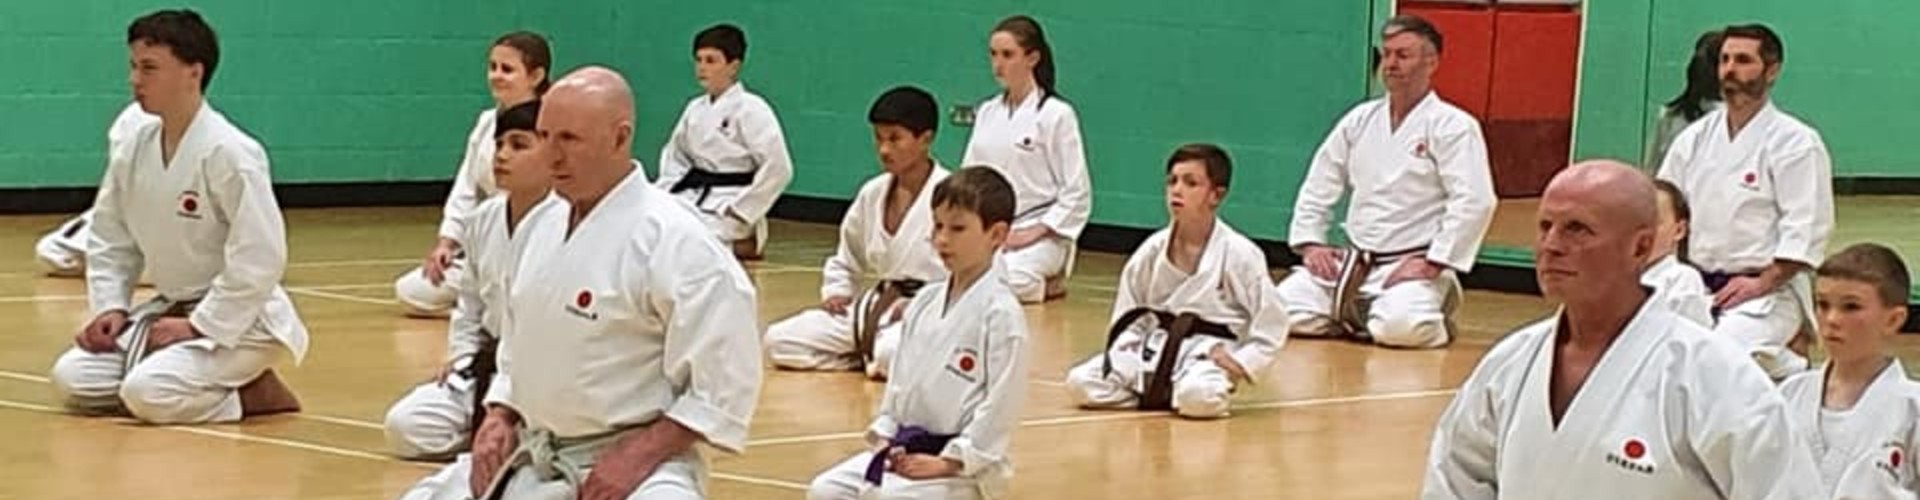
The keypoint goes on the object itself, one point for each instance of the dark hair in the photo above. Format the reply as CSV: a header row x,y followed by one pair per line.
x,y
534,53
1772,50
1873,264
726,38
906,106
1219,166
1703,78
1408,23
980,190
523,116
1028,34
183,32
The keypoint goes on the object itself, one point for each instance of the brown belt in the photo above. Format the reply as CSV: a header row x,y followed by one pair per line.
x,y
1349,307
872,306
1159,388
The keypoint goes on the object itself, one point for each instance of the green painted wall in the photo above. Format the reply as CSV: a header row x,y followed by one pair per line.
x,y
339,93
1835,78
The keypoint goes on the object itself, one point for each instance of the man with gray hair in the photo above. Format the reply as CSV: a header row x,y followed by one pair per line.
x,y
1421,200
633,336
1615,395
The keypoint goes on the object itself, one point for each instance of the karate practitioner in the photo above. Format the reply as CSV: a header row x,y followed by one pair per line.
x,y
435,419
517,66
949,410
1674,281
630,337
1765,181
1614,396
884,235
727,155
1860,413
1032,136
188,199
1422,198
63,251
1198,286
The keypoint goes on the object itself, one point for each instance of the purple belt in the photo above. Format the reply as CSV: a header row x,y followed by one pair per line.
x,y
912,439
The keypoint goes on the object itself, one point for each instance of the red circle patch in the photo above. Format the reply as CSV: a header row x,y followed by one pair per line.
x,y
584,299
1635,449
966,363
1751,178
1894,458
189,205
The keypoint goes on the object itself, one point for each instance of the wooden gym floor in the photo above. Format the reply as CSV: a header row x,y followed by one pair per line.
x,y
1330,420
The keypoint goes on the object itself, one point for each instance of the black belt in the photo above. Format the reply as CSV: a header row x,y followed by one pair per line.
x,y
705,181
867,316
480,370
1179,327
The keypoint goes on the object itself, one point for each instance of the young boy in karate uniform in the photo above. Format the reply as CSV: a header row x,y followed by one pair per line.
x,y
435,419
727,155
884,235
953,400
1196,313
190,201
1860,413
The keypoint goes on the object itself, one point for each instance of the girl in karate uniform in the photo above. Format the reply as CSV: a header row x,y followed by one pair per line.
x,y
517,66
1032,136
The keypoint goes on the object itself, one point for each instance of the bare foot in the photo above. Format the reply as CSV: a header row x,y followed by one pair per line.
x,y
747,250
1056,288
267,395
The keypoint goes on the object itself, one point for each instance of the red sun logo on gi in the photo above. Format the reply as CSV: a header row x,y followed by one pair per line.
x,y
583,300
1894,458
189,204
1752,178
1634,449
965,362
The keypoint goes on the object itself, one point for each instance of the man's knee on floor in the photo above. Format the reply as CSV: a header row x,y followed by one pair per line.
x,y
1312,325
158,398
1413,331
415,291
419,435
787,353
74,376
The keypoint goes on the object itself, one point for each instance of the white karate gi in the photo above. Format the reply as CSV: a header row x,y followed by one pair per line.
x,y
205,226
635,316
1678,285
472,184
961,371
1864,452
1769,196
815,339
435,418
735,133
1426,185
1229,287
1036,145
1669,412
63,251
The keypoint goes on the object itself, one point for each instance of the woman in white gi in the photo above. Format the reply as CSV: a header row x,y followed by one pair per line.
x,y
1201,268
1032,136
884,235
517,66
727,155
947,416
1860,413
187,197
434,420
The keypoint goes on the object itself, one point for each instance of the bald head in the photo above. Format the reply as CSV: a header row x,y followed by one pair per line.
x,y
1625,193
587,120
1596,221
